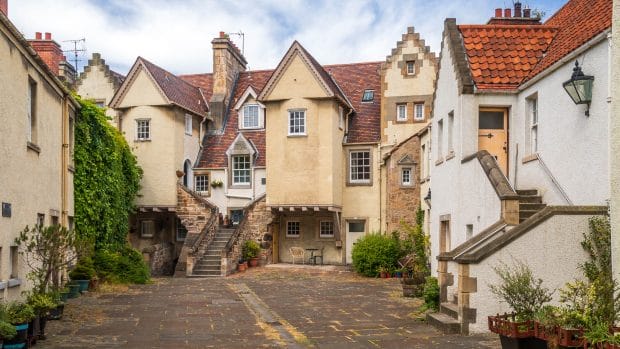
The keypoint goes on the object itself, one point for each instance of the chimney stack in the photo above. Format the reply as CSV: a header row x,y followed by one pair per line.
x,y
507,13
228,62
48,36
38,36
4,7
498,12
518,9
526,13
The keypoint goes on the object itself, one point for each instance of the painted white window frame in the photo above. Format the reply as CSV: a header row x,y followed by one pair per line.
x,y
451,132
297,122
241,172
143,129
188,124
401,112
410,66
440,138
32,111
361,169
295,227
201,183
246,117
406,174
418,111
533,118
326,229
423,162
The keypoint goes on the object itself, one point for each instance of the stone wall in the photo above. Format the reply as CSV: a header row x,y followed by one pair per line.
x,y
160,259
255,226
402,201
195,213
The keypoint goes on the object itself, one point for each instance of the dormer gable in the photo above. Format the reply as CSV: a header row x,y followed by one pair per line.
x,y
407,160
241,146
251,112
138,89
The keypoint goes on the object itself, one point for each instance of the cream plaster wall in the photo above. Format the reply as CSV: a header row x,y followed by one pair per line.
x,y
142,92
309,238
95,85
614,134
421,84
297,81
552,250
31,181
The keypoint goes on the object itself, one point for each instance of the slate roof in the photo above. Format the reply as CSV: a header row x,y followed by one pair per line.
x,y
177,90
503,56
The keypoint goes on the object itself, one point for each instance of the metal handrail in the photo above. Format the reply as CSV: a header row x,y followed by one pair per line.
x,y
553,179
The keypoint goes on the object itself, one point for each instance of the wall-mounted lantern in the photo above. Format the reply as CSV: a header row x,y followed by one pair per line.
x,y
427,198
579,87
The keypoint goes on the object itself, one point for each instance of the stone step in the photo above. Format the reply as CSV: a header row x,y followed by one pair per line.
x,y
204,275
206,263
527,213
450,309
531,206
527,192
206,269
530,199
444,323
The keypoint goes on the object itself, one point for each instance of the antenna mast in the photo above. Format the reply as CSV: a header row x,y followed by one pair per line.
x,y
77,50
242,35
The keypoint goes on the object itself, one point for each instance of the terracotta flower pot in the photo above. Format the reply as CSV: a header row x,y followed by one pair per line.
x,y
253,262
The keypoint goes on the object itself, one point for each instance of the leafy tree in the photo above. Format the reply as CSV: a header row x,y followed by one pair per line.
x,y
107,179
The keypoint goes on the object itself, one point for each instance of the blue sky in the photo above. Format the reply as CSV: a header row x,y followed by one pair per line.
x,y
176,34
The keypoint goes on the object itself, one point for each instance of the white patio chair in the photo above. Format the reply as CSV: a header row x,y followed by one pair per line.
x,y
297,252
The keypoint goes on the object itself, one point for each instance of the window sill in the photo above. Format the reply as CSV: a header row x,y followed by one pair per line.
x,y
419,120
141,140
240,186
450,155
292,237
146,236
251,128
14,283
297,135
407,186
529,158
439,161
359,184
33,147
401,121
425,179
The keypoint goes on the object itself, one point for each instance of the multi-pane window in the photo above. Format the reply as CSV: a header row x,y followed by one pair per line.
x,y
241,169
410,67
439,138
369,96
326,229
147,228
418,112
250,116
297,122
359,165
533,106
40,219
293,229
201,183
401,112
188,124
143,129
405,176
32,113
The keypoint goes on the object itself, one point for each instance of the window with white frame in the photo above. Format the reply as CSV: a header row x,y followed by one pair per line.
x,y
31,104
368,96
293,229
401,112
405,177
418,111
326,229
533,111
251,114
440,139
296,122
450,132
188,124
147,228
143,129
359,166
423,162
410,67
201,183
241,169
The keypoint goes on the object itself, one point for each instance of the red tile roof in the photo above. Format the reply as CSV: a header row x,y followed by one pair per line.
x,y
578,21
503,56
177,90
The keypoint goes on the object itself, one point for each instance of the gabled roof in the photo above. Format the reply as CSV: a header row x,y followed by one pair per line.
x,y
331,87
176,90
502,57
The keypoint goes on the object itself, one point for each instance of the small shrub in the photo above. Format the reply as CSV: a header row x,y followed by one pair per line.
x,y
84,270
250,249
105,264
126,266
7,331
19,313
41,303
374,251
431,293
520,289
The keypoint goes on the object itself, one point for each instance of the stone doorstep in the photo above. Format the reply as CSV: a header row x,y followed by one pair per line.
x,y
449,309
527,192
444,323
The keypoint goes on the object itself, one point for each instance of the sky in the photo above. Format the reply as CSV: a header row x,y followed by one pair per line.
x,y
177,34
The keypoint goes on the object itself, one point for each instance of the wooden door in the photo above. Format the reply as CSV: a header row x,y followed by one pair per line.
x,y
275,248
493,135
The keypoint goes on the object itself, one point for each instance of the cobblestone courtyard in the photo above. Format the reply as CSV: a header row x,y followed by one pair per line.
x,y
261,308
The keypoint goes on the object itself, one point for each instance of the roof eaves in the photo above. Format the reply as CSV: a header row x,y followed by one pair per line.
x,y
459,57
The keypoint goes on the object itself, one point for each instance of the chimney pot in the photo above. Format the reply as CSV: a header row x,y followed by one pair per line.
x,y
37,36
498,12
526,13
222,35
518,9
507,13
4,7
48,36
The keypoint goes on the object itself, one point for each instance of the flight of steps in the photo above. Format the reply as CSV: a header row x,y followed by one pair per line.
x,y
529,203
447,319
210,263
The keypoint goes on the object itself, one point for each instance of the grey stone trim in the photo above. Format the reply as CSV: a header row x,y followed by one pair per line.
x,y
493,245
449,256
496,177
459,58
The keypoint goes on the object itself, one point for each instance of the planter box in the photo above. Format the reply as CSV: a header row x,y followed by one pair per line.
x,y
506,325
571,338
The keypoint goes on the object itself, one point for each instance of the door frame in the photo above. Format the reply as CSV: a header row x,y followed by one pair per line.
x,y
506,111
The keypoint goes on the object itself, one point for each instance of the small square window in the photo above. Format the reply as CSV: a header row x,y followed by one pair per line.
x,y
326,229
147,228
40,219
369,96
293,229
201,183
405,176
188,124
401,112
143,129
251,116
418,112
410,67
296,122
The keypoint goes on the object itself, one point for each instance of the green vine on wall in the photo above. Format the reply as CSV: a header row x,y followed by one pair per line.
x,y
107,179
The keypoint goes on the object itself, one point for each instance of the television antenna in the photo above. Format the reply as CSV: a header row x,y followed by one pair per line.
x,y
79,47
242,35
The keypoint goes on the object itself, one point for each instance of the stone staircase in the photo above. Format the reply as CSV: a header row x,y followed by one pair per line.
x,y
529,203
447,319
209,265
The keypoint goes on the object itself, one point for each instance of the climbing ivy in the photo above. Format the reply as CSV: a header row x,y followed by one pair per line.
x,y
107,179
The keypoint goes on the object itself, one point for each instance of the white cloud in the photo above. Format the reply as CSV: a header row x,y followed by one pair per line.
x,y
176,34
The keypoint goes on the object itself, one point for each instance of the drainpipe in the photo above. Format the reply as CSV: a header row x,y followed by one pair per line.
x,y
64,161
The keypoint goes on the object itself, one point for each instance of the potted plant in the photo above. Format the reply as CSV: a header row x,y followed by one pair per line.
x,y
83,273
216,183
19,315
7,331
526,296
250,252
400,272
242,265
42,304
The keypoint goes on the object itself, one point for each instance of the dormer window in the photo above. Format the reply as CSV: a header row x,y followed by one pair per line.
x,y
251,116
369,96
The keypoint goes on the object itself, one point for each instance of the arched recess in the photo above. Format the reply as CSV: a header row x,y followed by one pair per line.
x,y
188,176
